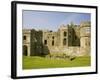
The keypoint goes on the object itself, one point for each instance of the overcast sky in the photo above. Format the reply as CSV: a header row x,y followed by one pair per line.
x,y
51,20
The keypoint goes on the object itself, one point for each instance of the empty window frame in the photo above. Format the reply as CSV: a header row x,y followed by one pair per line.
x,y
64,41
24,37
53,43
52,37
65,33
45,42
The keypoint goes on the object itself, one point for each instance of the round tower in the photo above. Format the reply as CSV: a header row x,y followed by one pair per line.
x,y
85,34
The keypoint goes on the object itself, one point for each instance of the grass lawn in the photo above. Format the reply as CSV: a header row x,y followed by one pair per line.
x,y
36,62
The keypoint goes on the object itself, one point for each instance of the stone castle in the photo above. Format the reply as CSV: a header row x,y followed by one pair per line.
x,y
68,40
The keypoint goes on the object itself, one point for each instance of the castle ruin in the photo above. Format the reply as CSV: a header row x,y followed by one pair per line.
x,y
68,40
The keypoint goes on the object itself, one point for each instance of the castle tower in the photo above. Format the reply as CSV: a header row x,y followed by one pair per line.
x,y
26,42
63,33
70,35
85,34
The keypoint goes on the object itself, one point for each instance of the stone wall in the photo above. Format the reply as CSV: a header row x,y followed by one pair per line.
x,y
68,40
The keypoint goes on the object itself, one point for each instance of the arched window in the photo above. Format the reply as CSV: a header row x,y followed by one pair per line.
x,y
65,33
53,43
45,42
52,37
24,37
64,41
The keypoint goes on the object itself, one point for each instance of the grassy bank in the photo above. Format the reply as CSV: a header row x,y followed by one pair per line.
x,y
36,62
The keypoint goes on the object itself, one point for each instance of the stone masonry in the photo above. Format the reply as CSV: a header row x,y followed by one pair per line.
x,y
70,39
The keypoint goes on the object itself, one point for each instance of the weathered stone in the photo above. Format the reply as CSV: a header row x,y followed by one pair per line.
x,y
69,40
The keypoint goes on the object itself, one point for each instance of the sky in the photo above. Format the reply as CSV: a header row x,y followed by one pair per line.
x,y
51,20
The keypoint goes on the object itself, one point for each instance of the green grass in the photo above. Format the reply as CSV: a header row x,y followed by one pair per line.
x,y
36,62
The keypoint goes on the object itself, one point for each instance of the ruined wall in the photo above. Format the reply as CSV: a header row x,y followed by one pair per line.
x,y
27,42
85,37
63,37
69,39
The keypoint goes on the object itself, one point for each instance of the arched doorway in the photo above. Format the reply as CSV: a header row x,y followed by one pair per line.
x,y
25,50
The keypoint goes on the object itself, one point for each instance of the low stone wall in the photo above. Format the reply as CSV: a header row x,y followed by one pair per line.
x,y
70,51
